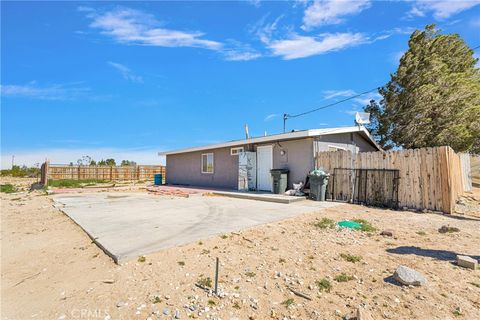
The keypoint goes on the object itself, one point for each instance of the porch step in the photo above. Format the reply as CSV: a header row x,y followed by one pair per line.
x,y
269,197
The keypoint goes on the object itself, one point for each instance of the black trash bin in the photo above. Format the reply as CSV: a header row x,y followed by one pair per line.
x,y
280,180
318,186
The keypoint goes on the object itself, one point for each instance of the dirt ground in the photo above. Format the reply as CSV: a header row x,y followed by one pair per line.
x,y
52,270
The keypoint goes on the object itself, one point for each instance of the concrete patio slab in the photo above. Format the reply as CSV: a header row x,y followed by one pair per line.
x,y
260,196
127,225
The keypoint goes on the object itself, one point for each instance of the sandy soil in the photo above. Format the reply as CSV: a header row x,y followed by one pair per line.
x,y
51,269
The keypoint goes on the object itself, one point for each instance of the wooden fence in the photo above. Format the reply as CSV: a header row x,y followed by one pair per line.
x,y
430,178
107,173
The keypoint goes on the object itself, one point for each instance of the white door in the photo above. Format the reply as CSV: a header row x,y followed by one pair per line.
x,y
264,165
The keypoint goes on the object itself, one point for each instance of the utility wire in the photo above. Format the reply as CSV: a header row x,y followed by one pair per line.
x,y
288,116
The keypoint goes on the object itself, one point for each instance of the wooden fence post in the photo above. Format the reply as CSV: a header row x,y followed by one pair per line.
x,y
44,173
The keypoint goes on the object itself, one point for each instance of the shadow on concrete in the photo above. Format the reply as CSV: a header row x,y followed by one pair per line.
x,y
444,255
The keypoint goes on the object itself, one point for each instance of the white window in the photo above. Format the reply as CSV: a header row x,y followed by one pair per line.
x,y
335,148
236,151
207,163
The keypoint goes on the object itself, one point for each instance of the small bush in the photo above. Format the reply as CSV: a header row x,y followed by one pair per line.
x,y
281,260
421,233
448,229
157,300
324,285
343,277
350,257
21,172
325,223
7,188
236,306
142,259
250,274
211,302
181,263
205,282
287,303
366,226
224,236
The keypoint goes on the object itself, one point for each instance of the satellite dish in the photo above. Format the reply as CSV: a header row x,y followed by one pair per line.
x,y
362,118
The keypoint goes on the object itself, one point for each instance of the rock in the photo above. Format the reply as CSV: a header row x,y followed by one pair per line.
x,y
363,314
120,304
177,314
166,311
467,262
387,233
108,281
408,276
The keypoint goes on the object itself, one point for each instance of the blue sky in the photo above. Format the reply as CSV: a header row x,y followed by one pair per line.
x,y
128,79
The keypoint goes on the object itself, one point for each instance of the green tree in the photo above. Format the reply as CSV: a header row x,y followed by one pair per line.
x,y
110,162
126,163
433,98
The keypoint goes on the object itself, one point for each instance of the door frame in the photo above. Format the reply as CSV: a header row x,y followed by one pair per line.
x,y
269,146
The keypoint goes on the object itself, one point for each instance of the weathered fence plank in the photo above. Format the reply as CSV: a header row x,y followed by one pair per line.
x,y
430,178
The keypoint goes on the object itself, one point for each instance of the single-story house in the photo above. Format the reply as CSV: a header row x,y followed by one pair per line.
x,y
246,164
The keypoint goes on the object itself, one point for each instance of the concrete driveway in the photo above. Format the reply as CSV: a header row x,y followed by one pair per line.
x,y
127,225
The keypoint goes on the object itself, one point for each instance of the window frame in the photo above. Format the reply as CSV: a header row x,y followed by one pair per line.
x,y
238,149
213,163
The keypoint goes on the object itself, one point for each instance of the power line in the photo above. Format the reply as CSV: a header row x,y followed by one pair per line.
x,y
287,116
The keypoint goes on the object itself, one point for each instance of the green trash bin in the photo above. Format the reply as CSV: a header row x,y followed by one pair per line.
x,y
280,180
318,185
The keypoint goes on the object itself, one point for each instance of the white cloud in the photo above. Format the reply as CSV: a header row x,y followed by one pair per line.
x,y
270,117
50,92
396,56
129,26
264,31
255,3
441,9
329,94
233,55
304,46
125,72
331,12
351,112
65,156
365,99
237,51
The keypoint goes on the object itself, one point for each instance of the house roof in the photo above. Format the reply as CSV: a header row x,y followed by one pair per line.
x,y
280,137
